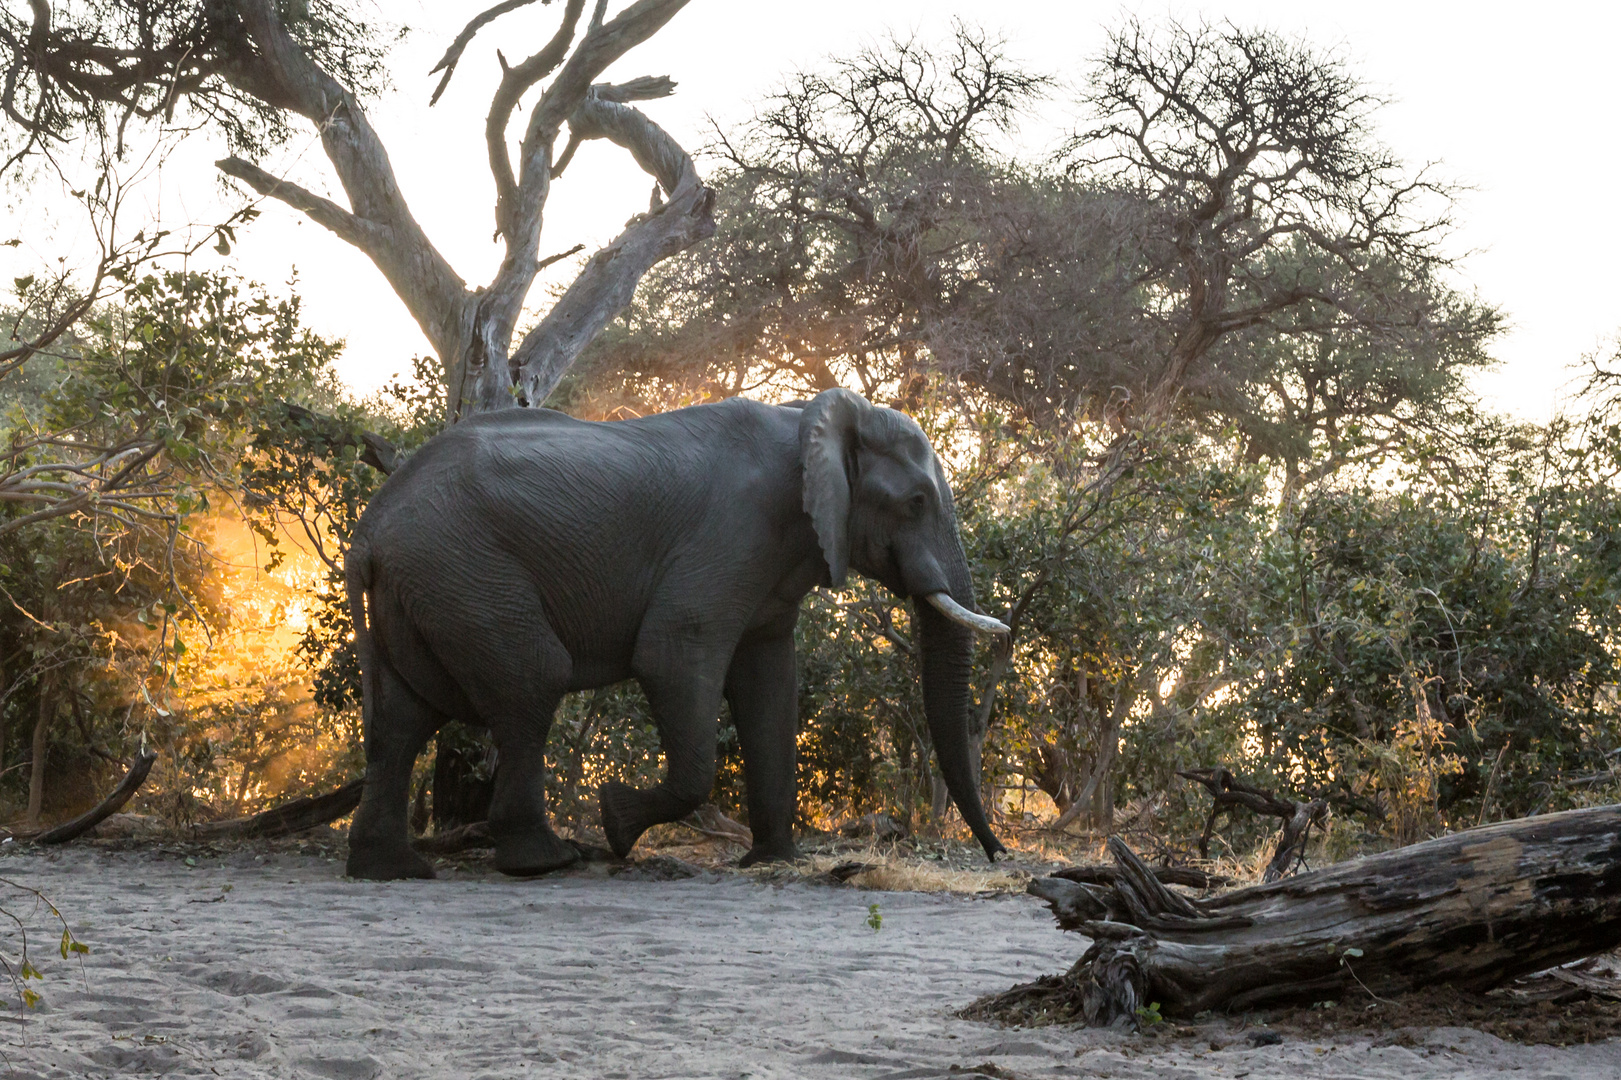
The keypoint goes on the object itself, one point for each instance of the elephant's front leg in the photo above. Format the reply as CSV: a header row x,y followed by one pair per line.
x,y
761,687
685,701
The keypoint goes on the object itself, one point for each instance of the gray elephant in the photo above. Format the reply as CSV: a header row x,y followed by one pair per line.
x,y
524,554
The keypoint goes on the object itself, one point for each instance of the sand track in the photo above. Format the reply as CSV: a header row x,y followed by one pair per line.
x,y
298,973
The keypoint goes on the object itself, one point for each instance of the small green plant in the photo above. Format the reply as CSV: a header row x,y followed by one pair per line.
x,y
1346,956
874,920
1148,1015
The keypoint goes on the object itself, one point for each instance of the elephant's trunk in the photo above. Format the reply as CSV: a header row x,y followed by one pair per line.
x,y
946,650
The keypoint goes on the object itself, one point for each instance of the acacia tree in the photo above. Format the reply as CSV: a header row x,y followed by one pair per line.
x,y
866,205
257,65
1226,241
1246,146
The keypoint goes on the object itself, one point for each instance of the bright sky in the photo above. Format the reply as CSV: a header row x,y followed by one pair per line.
x,y
1515,105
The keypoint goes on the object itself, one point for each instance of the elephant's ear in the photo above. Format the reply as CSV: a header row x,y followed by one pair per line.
x,y
827,434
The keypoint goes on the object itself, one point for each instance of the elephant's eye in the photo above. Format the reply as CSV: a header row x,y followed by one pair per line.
x,y
917,504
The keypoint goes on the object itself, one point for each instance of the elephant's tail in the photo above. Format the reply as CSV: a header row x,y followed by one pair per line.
x,y
357,578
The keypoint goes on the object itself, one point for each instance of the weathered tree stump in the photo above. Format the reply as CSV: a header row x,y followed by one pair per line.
x,y
1474,909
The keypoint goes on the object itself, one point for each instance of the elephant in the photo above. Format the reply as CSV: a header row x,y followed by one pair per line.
x,y
523,554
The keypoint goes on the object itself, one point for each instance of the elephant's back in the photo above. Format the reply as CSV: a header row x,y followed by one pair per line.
x,y
591,513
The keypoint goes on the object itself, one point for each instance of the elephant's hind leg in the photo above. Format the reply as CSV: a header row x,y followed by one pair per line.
x,y
380,838
519,824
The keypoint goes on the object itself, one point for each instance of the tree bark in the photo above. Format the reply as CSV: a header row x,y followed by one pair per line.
x,y
1473,909
36,771
1104,874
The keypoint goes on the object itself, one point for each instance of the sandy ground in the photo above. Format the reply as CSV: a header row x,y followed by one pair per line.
x,y
295,972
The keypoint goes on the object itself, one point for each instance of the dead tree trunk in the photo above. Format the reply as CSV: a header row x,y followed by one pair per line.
x,y
473,330
112,804
290,817
1473,909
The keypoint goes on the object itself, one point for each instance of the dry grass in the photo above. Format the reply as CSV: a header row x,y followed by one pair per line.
x,y
893,868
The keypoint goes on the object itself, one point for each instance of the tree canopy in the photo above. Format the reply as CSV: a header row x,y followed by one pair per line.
x,y
1240,251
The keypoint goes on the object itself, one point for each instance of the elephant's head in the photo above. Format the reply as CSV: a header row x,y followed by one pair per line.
x,y
879,500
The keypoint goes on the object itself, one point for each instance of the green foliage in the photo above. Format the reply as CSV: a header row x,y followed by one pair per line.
x,y
19,968
599,735
1215,458
1417,642
309,477
876,230
875,920
1209,425
114,602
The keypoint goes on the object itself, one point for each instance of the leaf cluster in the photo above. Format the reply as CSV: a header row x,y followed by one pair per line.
x,y
91,66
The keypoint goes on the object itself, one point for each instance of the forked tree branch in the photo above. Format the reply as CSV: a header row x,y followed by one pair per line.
x,y
279,72
453,55
472,332
609,279
514,82
487,378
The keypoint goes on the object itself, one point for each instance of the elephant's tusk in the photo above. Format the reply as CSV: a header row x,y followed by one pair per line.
x,y
959,614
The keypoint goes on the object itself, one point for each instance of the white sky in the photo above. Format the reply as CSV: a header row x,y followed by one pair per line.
x,y
1517,105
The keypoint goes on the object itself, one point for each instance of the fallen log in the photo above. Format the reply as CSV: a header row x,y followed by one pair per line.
x,y
289,817
112,804
1474,909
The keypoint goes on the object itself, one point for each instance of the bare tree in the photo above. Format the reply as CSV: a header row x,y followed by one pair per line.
x,y
1248,145
255,64
873,212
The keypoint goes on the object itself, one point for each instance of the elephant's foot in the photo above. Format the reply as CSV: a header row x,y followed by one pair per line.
x,y
385,862
533,851
778,851
621,816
